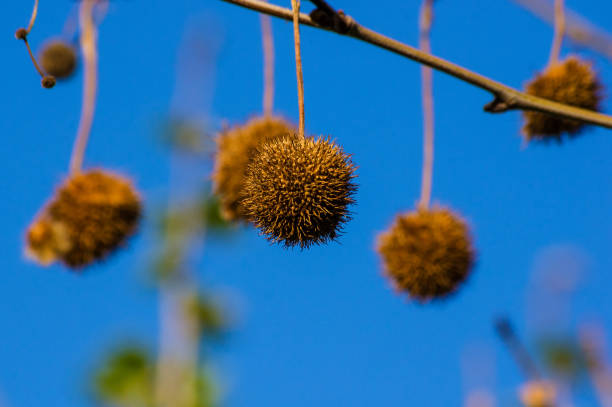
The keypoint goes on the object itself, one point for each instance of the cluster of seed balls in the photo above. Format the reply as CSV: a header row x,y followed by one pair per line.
x,y
572,82
295,189
91,215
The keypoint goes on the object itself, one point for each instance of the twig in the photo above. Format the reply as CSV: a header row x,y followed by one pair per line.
x,y
505,97
555,49
90,57
517,349
577,28
268,51
33,17
295,4
425,22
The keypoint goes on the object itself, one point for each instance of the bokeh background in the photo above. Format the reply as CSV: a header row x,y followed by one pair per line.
x,y
322,326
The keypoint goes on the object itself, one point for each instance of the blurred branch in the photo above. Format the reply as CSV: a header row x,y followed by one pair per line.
x,y
592,344
505,97
577,28
506,332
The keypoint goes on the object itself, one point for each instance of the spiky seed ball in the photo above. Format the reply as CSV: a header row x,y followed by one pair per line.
x,y
235,147
58,58
297,190
91,215
427,253
572,82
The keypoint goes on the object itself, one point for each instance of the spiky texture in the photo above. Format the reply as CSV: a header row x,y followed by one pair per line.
x,y
427,253
58,58
91,215
235,148
297,190
572,82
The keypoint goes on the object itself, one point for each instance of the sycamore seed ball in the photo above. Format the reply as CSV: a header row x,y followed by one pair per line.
x,y
58,58
427,253
91,215
571,82
297,190
235,148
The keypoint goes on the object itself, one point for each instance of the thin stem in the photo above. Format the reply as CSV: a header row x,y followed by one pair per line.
x,y
506,98
592,343
38,69
517,349
268,51
425,22
90,82
555,49
295,4
577,28
33,17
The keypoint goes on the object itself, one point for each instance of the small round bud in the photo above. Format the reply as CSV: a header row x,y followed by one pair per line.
x,y
235,148
58,58
297,190
21,34
427,253
572,82
48,81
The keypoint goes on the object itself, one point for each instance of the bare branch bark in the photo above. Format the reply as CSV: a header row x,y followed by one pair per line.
x,y
505,97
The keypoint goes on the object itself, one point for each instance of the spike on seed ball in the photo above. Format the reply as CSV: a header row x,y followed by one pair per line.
x,y
92,214
58,58
427,253
297,190
572,82
235,148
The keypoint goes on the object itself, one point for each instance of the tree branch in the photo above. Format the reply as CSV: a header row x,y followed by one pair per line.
x,y
505,97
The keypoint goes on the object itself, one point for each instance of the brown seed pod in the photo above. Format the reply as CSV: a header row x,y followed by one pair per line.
x,y
235,148
297,190
46,240
572,82
427,253
58,59
91,215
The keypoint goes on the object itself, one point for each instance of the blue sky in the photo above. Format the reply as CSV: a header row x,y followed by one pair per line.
x,y
317,327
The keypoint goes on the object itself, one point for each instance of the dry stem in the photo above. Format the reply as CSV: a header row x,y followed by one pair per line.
x,y
295,4
90,82
555,49
425,22
577,28
268,51
505,97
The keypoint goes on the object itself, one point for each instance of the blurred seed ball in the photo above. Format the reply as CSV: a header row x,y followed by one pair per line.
x,y
58,58
46,240
235,147
538,393
427,253
91,215
47,82
297,190
572,82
